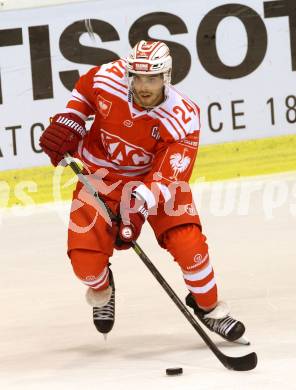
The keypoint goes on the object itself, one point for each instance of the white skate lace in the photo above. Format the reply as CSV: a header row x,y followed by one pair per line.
x,y
222,326
105,312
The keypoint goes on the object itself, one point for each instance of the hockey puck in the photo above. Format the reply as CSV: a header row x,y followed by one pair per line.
x,y
174,371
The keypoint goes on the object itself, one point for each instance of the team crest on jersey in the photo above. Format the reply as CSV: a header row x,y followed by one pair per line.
x,y
103,106
123,153
179,164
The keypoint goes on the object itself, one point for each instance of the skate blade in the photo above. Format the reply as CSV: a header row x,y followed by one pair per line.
x,y
243,341
105,336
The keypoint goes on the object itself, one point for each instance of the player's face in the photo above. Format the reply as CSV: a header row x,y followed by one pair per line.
x,y
148,90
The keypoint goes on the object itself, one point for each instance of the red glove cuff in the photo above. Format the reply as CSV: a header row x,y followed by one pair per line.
x,y
62,136
70,121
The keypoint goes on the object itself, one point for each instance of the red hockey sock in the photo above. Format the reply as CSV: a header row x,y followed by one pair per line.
x,y
91,268
188,246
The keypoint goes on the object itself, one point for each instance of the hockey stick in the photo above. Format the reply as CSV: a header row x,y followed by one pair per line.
x,y
240,363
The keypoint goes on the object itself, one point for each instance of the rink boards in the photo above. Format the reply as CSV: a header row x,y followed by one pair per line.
x,y
215,162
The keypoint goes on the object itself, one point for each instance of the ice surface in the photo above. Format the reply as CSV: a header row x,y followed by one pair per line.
x,y
47,340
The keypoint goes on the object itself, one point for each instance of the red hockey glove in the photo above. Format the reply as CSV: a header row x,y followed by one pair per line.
x,y
62,136
133,218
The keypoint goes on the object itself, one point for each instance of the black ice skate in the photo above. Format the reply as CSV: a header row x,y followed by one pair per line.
x,y
219,321
103,316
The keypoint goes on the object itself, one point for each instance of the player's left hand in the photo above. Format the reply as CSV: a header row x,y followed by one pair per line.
x,y
133,216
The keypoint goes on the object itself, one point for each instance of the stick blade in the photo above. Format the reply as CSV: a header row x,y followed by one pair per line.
x,y
241,363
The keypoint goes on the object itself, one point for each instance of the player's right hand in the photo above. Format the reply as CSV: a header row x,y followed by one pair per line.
x,y
62,136
133,216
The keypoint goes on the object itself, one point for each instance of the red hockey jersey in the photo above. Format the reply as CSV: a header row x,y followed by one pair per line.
x,y
131,142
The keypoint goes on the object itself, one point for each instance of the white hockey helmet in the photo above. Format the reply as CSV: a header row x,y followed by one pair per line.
x,y
150,57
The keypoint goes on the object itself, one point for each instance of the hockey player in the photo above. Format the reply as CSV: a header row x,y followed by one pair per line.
x,y
145,138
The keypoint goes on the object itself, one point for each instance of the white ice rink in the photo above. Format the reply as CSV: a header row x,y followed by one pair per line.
x,y
48,341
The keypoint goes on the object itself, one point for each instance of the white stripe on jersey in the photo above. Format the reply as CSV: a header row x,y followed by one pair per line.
x,y
112,83
78,113
176,122
138,173
120,63
104,163
108,88
101,77
78,97
131,174
74,99
166,124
